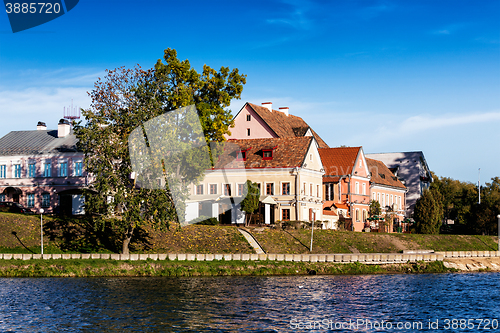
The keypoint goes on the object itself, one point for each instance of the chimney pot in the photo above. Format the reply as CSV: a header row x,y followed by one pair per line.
x,y
268,105
41,126
63,128
284,109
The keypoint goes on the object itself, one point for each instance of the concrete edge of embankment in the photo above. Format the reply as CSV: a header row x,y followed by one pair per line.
x,y
365,258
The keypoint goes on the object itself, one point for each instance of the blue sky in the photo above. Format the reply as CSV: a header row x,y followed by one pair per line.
x,y
386,75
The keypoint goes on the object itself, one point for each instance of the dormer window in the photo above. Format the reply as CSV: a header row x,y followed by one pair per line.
x,y
267,153
242,155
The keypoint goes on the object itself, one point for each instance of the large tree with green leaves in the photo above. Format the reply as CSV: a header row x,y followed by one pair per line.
x,y
122,102
250,202
428,212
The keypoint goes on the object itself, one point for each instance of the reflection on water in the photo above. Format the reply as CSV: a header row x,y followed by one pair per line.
x,y
235,304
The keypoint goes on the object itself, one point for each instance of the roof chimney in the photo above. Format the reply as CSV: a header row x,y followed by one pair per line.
x,y
41,126
63,128
284,109
268,105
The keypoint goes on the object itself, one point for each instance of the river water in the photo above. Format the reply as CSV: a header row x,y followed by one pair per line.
x,y
364,303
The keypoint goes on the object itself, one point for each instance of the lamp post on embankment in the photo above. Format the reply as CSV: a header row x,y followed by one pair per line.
x,y
41,228
498,232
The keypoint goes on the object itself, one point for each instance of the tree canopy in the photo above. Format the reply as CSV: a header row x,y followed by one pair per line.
x,y
124,101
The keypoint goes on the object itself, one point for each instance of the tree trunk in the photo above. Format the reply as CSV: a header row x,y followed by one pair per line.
x,y
126,240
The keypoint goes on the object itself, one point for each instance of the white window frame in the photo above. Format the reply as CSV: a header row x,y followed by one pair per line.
x,y
74,168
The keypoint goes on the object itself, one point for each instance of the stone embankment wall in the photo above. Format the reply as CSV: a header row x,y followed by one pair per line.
x,y
462,260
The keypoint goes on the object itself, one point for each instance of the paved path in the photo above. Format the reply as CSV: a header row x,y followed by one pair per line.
x,y
253,243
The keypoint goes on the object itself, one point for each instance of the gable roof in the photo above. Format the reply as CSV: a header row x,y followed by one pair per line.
x,y
287,153
338,161
285,126
381,175
36,142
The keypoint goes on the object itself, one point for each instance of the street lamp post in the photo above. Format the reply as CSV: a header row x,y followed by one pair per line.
x,y
41,228
498,232
312,231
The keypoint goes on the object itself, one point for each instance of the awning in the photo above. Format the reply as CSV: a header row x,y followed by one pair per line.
x,y
13,190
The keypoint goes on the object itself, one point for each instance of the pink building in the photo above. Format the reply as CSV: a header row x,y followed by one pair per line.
x,y
260,122
346,185
43,169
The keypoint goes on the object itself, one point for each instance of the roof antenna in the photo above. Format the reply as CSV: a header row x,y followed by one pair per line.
x,y
71,112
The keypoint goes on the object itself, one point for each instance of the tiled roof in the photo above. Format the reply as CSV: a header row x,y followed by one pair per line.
x,y
328,204
338,161
341,206
380,174
289,152
36,142
329,212
285,126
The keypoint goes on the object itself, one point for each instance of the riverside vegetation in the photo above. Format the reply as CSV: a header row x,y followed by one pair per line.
x,y
76,236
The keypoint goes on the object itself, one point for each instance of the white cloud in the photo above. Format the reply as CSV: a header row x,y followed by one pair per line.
x,y
22,109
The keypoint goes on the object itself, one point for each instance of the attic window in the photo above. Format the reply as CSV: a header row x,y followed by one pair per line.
x,y
242,155
267,153
382,175
249,117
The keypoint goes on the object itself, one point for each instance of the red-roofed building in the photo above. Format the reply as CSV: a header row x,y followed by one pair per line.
x,y
346,183
288,172
390,192
254,121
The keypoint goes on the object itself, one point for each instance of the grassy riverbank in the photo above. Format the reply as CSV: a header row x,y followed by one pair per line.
x,y
75,236
110,268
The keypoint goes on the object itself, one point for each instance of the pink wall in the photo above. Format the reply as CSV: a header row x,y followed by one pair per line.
x,y
258,128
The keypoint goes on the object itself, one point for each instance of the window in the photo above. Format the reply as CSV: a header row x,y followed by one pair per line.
x,y
267,154
378,197
213,188
45,200
356,188
270,188
400,203
2,197
17,170
392,200
63,169
387,199
78,169
364,189
32,170
199,189
357,214
248,131
285,215
311,190
3,171
31,200
304,189
374,196
365,215
318,192
249,117
227,189
240,189
310,157
285,189
329,195
47,169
